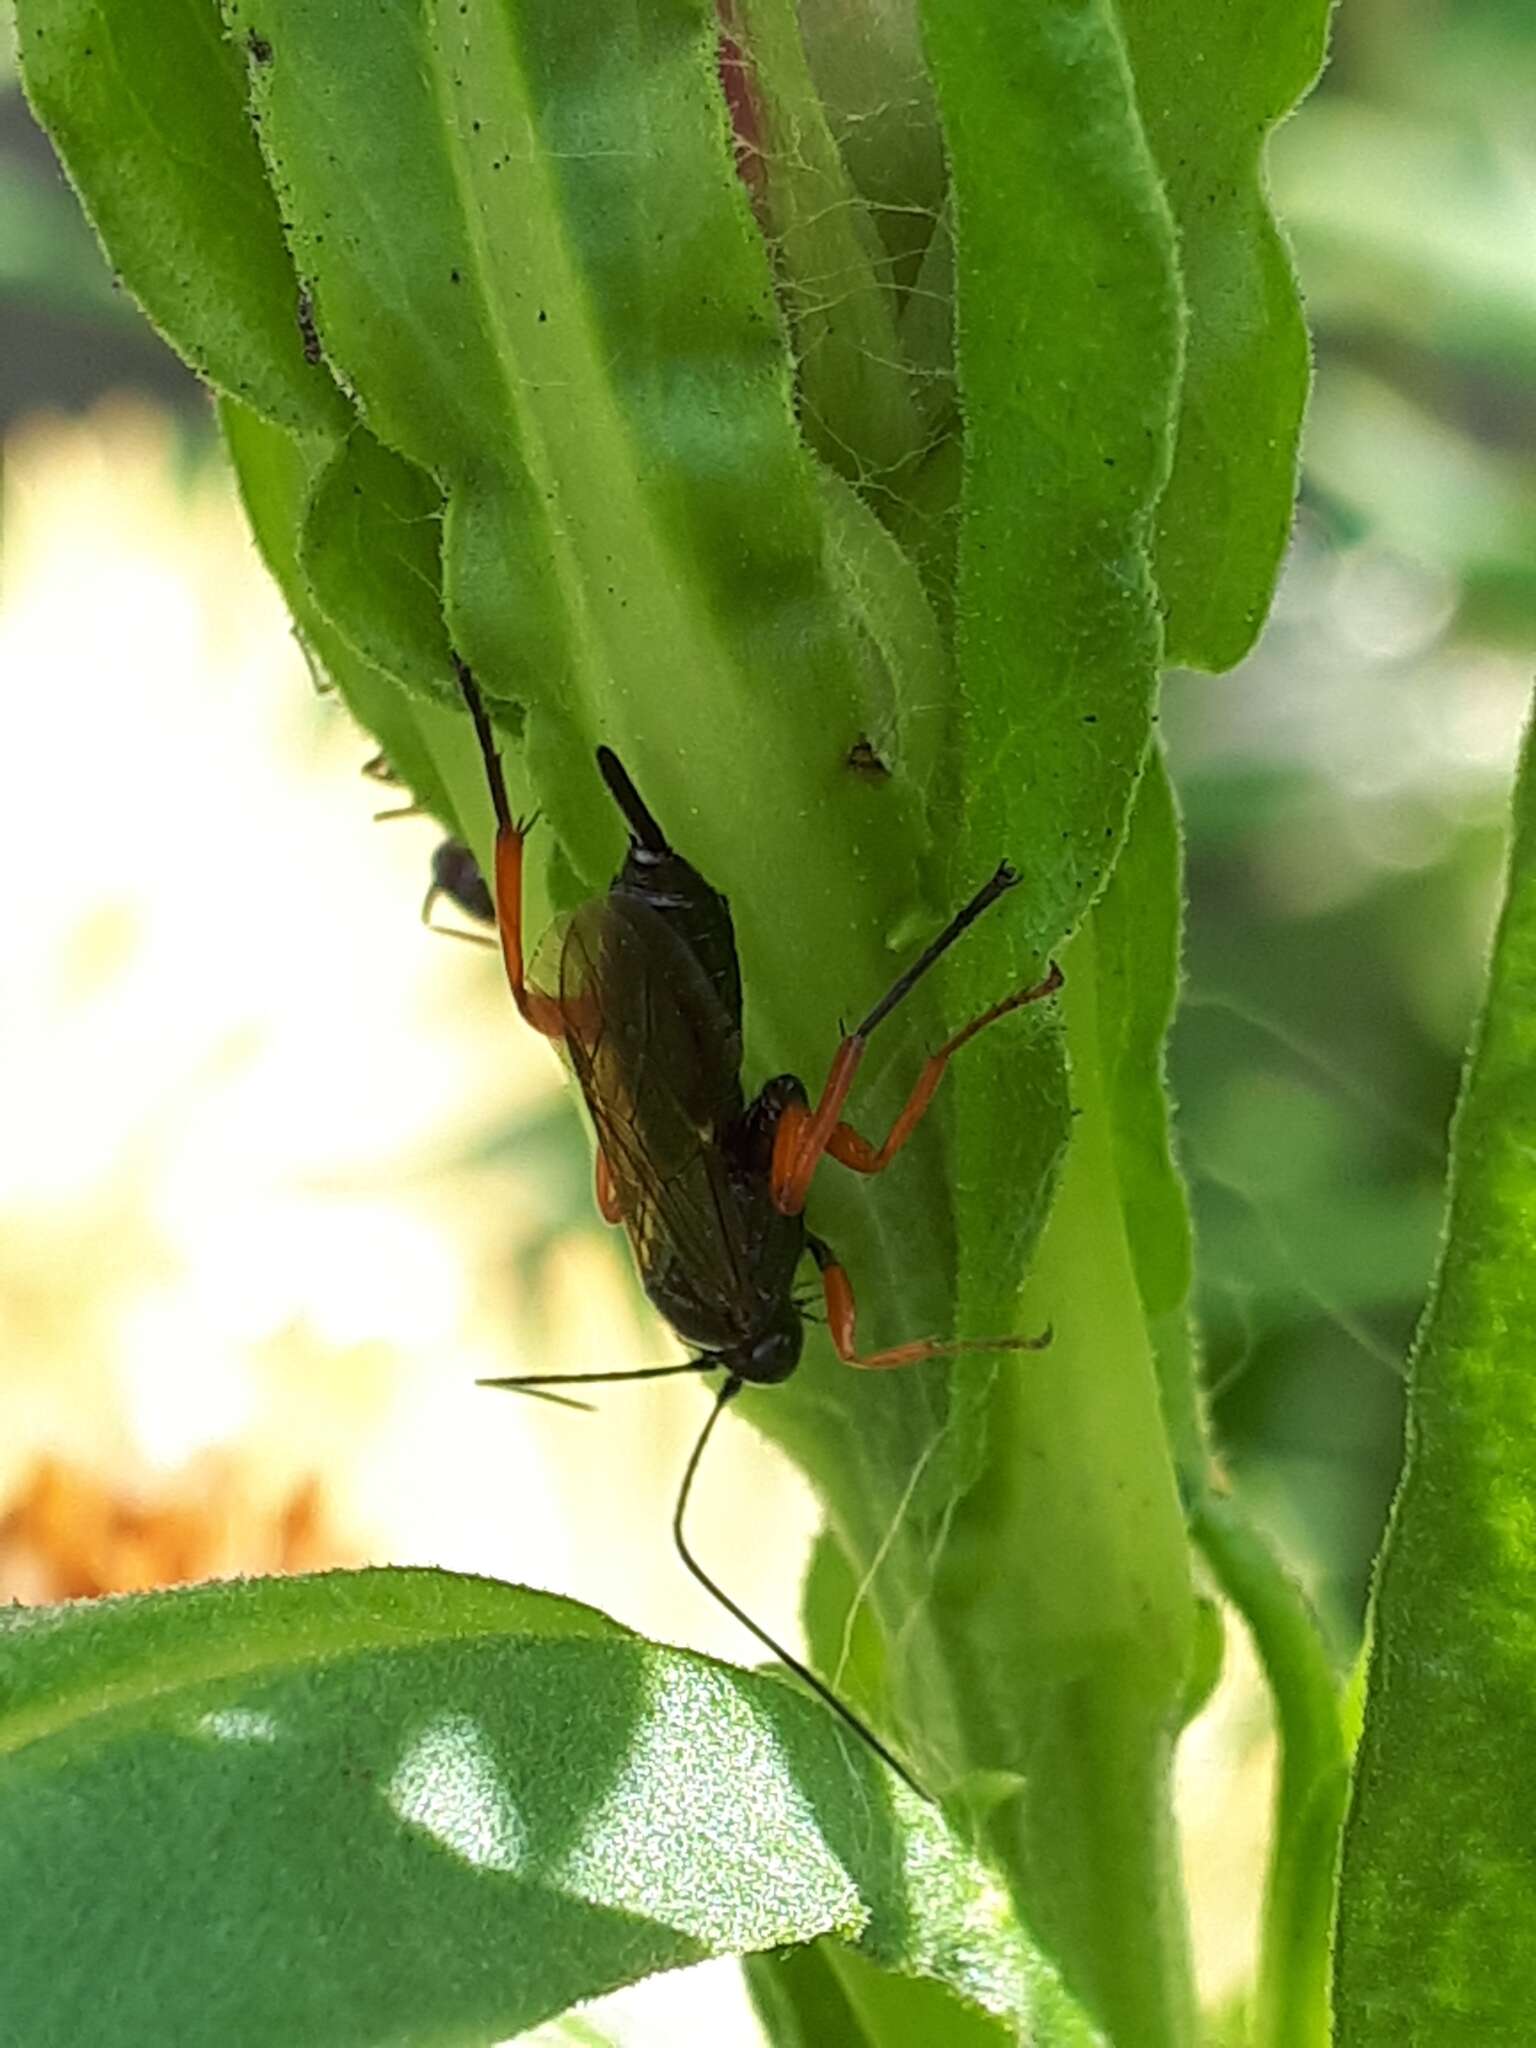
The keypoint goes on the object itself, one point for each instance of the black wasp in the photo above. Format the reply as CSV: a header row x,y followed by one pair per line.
x,y
644,1000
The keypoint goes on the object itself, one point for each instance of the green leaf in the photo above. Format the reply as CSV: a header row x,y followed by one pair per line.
x,y
800,2001
858,399
1436,1935
606,407
1290,2006
1068,321
371,553
827,1993
1211,83
146,106
428,747
1063,1600
1138,928
1074,1669
412,1806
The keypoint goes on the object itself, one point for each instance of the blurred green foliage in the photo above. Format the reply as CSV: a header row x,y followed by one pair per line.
x,y
70,333
1344,792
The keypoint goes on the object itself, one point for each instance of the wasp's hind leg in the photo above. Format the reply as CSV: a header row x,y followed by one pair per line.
x,y
541,1011
841,1315
806,1136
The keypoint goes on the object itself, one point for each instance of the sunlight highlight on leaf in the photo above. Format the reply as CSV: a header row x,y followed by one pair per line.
x,y
448,1784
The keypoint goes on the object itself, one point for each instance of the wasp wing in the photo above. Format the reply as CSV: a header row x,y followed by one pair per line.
x,y
658,1059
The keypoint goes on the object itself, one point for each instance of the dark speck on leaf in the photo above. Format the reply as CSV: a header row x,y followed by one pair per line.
x,y
1090,718
307,328
865,762
453,277
259,47
543,316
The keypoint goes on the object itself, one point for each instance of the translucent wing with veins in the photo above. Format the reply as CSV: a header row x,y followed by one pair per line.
x,y
657,1056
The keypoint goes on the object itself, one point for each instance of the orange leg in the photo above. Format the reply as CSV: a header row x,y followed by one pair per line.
x,y
805,1135
607,1194
541,1011
838,1289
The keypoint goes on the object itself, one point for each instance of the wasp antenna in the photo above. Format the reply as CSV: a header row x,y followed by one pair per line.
x,y
823,1691
643,828
537,1383
1005,879
540,1393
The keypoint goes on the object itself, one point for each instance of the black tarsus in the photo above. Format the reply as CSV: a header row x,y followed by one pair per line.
x,y
643,828
487,739
866,1734
963,919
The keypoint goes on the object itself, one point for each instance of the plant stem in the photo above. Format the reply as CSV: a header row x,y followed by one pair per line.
x,y
1074,1552
1291,2003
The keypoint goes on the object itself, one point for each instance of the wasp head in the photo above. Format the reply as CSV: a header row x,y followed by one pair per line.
x,y
771,1353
